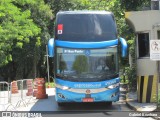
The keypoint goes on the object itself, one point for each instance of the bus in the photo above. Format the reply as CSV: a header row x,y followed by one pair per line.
x,y
85,52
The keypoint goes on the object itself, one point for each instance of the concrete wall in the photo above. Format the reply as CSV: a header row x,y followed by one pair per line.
x,y
142,22
145,21
146,67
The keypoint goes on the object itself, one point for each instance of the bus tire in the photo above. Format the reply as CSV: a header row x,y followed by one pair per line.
x,y
61,104
109,103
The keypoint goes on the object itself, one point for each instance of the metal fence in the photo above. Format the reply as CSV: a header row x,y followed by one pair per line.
x,y
28,89
5,97
17,93
22,92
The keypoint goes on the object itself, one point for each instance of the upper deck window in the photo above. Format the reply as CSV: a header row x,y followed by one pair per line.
x,y
85,27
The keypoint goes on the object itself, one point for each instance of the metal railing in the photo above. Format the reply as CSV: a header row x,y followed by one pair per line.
x,y
17,93
22,91
5,97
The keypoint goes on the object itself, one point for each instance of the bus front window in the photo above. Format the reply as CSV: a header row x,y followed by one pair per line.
x,y
87,64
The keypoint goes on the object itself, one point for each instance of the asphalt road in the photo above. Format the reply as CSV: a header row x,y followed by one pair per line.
x,y
50,108
51,105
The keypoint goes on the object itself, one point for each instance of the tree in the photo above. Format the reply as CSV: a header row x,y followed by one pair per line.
x,y
134,5
16,27
56,6
41,15
23,36
27,25
80,64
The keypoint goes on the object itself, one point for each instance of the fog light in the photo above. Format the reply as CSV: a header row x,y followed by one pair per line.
x,y
61,96
113,95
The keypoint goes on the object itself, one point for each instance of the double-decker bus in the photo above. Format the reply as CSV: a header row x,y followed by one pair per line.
x,y
85,51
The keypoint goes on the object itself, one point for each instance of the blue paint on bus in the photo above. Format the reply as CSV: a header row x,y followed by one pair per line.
x,y
85,51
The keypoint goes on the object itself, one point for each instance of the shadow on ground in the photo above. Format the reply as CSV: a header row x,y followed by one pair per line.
x,y
51,105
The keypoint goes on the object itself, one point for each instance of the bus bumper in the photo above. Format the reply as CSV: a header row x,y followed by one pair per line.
x,y
111,95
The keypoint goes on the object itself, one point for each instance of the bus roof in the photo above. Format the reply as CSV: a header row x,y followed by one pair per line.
x,y
84,12
85,26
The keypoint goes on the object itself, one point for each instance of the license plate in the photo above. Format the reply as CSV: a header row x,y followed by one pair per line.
x,y
87,99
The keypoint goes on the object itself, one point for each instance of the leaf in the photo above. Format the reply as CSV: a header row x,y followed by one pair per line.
x,y
19,44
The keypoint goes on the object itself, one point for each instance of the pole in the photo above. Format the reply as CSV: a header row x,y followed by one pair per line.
x,y
158,80
47,66
35,62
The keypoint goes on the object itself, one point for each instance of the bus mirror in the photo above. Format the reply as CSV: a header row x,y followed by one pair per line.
x,y
123,46
51,47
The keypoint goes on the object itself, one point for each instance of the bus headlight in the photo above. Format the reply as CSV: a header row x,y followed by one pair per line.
x,y
113,86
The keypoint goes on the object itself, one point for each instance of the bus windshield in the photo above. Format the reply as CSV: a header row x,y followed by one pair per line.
x,y
85,27
87,64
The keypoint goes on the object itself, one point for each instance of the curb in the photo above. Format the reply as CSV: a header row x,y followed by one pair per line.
x,y
136,109
133,104
130,106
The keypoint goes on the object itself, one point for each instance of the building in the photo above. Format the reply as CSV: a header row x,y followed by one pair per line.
x,y
146,25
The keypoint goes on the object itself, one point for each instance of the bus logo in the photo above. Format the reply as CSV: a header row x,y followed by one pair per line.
x,y
87,52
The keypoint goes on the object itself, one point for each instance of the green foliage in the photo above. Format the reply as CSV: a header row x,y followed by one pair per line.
x,y
26,26
133,5
51,84
15,27
132,77
23,35
130,71
131,44
80,64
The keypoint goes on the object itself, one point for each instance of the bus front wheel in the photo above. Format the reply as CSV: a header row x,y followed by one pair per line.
x,y
61,104
109,103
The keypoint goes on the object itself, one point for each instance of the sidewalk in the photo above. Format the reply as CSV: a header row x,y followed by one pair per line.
x,y
132,102
41,104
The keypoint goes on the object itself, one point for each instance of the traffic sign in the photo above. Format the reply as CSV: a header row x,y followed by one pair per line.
x,y
155,50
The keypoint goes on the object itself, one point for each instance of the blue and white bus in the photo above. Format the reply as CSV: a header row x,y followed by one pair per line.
x,y
85,51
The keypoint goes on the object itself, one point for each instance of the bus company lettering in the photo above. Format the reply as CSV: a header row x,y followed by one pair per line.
x,y
87,85
110,82
73,51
